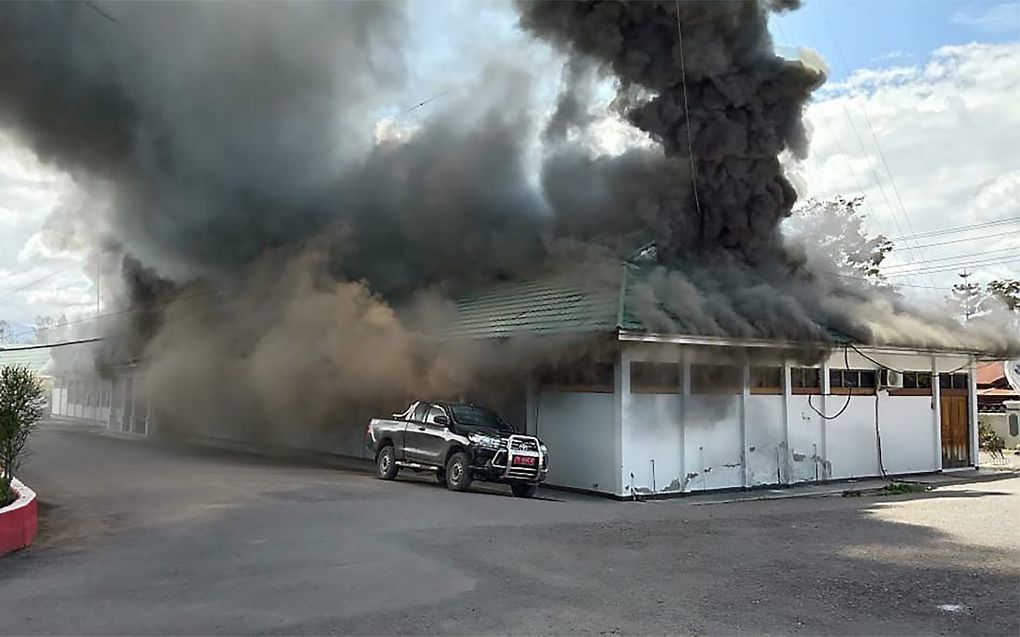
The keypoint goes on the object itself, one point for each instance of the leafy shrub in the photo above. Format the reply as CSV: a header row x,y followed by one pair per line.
x,y
21,407
989,440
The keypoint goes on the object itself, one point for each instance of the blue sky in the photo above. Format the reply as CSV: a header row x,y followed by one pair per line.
x,y
880,33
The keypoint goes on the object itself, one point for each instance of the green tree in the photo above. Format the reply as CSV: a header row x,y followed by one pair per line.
x,y
967,296
1006,291
832,230
21,407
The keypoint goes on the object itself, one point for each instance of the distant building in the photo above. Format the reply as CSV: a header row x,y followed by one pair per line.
x,y
998,399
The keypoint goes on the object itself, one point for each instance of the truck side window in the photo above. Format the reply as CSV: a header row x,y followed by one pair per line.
x,y
434,411
419,412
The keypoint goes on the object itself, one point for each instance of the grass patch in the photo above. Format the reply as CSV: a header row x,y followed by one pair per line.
x,y
897,488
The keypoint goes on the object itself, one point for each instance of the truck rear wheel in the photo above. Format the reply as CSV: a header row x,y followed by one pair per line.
x,y
458,472
386,464
523,490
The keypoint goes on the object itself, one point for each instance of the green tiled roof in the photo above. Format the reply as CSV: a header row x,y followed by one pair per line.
x,y
36,360
560,303
545,306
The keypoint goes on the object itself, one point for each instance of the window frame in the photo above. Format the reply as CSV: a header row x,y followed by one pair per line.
x,y
429,415
797,379
721,389
649,384
772,389
857,387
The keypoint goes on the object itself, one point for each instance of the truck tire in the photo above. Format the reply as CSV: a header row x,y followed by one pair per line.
x,y
523,490
458,472
385,464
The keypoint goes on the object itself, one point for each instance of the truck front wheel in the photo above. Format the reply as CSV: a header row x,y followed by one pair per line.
x,y
458,472
385,464
523,490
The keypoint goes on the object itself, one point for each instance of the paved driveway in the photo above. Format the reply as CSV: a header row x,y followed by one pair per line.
x,y
141,538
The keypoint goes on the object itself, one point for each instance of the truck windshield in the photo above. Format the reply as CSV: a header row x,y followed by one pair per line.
x,y
472,416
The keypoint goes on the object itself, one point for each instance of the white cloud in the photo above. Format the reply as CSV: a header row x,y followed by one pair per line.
x,y
30,192
949,129
991,18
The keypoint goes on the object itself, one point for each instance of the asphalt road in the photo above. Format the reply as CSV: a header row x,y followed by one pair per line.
x,y
145,538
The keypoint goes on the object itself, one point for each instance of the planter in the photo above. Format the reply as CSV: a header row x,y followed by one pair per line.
x,y
19,520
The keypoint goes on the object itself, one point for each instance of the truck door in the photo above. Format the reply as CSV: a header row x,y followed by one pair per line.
x,y
429,437
407,448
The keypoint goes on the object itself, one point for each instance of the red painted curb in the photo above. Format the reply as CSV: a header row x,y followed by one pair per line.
x,y
19,520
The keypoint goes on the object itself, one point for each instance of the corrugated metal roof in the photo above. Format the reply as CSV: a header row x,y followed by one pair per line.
x,y
36,360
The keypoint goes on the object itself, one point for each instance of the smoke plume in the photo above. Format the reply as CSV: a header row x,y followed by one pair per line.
x,y
292,243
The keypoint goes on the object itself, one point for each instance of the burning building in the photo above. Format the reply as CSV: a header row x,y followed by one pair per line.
x,y
291,261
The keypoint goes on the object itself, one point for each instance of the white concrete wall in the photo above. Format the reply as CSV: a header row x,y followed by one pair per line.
x,y
908,440
578,428
712,442
999,423
851,450
766,443
652,434
807,449
747,440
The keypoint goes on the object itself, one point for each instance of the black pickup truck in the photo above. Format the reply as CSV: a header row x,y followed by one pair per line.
x,y
460,442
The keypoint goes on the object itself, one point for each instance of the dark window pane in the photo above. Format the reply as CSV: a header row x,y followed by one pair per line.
x,y
867,378
1014,425
767,377
924,380
655,377
910,380
945,382
715,379
960,381
596,376
419,412
836,377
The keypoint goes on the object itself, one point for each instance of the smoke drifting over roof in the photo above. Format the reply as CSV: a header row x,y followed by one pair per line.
x,y
743,103
239,146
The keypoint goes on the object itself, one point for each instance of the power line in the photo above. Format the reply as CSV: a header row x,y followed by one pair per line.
x,y
864,151
23,348
878,146
687,111
956,257
957,266
974,226
961,240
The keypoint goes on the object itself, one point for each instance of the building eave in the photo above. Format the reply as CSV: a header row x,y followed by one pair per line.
x,y
680,339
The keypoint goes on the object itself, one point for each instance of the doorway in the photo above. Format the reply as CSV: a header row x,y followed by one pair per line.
x,y
955,429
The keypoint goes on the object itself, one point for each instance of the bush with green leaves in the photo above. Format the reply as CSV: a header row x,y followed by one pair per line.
x,y
989,440
21,406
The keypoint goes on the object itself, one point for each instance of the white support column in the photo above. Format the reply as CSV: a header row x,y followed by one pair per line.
x,y
824,423
972,413
685,396
786,468
936,405
621,396
745,394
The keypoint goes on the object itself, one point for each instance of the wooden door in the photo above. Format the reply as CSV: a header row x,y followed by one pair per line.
x,y
955,431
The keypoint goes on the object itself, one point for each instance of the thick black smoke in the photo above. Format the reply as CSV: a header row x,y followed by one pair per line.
x,y
744,104
239,155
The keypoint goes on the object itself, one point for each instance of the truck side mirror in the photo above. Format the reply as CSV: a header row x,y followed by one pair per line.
x,y
441,420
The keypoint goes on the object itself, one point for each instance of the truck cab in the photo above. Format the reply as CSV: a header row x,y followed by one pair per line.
x,y
460,442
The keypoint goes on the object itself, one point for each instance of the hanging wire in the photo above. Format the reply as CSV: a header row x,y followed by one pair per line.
x,y
849,393
687,111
